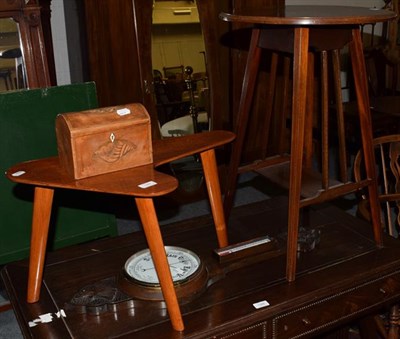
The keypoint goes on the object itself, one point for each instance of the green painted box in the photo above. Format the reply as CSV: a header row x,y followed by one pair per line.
x,y
27,127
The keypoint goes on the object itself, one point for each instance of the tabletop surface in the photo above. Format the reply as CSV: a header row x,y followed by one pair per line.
x,y
142,181
309,15
341,276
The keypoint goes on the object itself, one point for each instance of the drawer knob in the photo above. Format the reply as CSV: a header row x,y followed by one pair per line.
x,y
306,321
383,291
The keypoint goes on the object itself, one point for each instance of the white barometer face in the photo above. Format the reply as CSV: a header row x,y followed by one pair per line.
x,y
182,263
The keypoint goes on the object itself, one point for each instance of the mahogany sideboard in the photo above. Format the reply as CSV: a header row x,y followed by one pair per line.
x,y
343,279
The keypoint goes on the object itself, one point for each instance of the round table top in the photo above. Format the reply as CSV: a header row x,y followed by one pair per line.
x,y
309,15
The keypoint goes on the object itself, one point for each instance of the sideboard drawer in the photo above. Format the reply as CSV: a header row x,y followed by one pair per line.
x,y
251,332
318,315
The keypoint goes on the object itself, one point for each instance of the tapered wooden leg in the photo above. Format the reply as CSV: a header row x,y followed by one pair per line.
x,y
156,245
250,75
214,194
42,204
361,87
300,64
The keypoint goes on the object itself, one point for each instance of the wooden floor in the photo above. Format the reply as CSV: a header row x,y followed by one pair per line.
x,y
337,283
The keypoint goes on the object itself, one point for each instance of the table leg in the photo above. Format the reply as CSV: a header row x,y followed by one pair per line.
x,y
249,80
300,63
42,204
156,245
361,87
214,194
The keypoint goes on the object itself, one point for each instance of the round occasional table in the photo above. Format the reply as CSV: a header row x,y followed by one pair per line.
x,y
300,30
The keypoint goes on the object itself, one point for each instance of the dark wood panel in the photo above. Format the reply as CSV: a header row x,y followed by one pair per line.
x,y
112,51
142,13
218,64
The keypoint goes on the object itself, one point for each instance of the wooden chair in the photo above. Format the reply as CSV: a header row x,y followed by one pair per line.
x,y
382,59
388,175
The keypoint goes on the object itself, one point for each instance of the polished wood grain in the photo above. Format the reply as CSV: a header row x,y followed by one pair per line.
x,y
47,175
361,87
101,140
40,230
214,193
345,278
300,30
251,69
156,245
170,149
299,106
309,15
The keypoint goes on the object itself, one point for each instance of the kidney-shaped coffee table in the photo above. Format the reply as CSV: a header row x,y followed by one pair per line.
x,y
143,183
